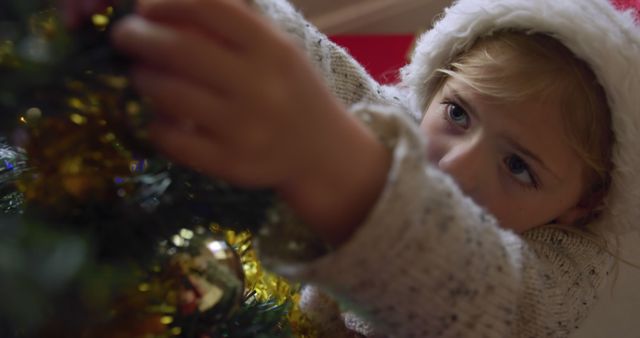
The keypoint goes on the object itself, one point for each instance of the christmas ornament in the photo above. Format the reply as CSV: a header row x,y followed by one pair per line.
x,y
194,285
211,279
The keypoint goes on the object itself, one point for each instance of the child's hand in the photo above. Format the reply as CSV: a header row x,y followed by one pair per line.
x,y
237,100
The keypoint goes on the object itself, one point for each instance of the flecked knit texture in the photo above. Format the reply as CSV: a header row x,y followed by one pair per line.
x,y
427,261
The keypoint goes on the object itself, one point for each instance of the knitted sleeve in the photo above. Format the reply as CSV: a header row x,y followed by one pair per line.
x,y
428,262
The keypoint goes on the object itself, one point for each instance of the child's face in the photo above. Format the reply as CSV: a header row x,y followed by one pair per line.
x,y
512,158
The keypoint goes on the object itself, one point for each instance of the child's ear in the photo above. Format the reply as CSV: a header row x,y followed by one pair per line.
x,y
572,215
586,208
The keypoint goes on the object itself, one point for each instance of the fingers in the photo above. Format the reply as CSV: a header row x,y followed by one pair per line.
x,y
184,53
183,101
186,147
231,20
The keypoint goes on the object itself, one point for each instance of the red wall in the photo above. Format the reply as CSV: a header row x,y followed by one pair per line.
x,y
381,55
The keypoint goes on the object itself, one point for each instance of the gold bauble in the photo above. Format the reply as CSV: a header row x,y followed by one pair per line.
x,y
210,274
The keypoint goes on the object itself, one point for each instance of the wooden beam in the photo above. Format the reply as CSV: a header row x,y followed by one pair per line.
x,y
361,14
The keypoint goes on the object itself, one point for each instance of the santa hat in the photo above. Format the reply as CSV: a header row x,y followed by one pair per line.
x,y
633,5
604,34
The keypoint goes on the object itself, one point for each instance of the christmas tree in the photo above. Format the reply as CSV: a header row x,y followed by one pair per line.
x,y
102,237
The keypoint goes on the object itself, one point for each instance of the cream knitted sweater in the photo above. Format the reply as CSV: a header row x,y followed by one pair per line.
x,y
428,262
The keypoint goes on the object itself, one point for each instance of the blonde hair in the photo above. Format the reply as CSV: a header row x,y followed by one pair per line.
x,y
518,66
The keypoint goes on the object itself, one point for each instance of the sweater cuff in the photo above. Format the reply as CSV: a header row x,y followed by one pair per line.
x,y
373,238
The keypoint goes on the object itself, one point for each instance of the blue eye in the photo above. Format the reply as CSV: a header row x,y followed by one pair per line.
x,y
457,115
520,170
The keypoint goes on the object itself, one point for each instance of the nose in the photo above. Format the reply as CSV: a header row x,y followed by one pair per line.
x,y
463,160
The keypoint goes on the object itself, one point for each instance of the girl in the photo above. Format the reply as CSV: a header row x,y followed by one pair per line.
x,y
485,221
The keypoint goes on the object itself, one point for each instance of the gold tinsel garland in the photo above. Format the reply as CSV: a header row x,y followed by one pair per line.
x,y
266,285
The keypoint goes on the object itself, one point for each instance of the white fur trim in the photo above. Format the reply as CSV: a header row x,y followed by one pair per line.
x,y
607,39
